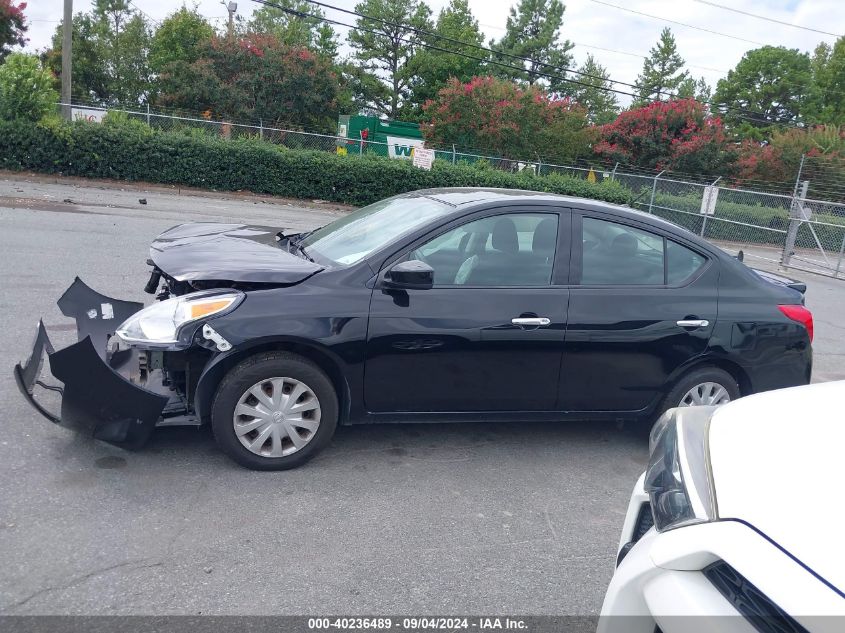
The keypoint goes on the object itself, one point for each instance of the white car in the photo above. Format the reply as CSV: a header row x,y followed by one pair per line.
x,y
739,520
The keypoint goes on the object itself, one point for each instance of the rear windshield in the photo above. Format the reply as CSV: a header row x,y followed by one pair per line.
x,y
352,238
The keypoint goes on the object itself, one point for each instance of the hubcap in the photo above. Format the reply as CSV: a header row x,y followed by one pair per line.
x,y
277,417
705,394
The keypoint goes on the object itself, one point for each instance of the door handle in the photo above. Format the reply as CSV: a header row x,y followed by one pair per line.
x,y
531,321
693,323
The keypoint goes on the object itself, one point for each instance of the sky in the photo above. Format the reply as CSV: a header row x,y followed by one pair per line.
x,y
617,38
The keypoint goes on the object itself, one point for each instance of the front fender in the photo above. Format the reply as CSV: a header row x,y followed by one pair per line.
x,y
222,363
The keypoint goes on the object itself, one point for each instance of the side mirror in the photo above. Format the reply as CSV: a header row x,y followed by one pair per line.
x,y
413,275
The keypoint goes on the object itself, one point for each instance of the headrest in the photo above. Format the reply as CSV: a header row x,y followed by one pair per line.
x,y
504,236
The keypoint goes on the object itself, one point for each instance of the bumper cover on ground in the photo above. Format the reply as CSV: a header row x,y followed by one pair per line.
x,y
95,398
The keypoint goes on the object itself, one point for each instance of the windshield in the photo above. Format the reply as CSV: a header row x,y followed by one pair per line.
x,y
352,238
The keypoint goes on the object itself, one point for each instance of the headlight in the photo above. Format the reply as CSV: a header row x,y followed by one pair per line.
x,y
678,480
159,323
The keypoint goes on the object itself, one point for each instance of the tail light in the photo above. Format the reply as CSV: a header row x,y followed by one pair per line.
x,y
800,314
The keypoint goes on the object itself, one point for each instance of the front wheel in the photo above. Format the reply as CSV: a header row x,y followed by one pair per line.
x,y
274,411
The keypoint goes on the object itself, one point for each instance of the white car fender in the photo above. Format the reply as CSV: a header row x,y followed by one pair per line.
x,y
785,581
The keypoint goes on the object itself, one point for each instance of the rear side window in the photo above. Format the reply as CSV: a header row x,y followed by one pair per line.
x,y
616,254
681,263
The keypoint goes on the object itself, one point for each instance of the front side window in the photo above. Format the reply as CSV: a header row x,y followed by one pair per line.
x,y
616,254
353,237
516,249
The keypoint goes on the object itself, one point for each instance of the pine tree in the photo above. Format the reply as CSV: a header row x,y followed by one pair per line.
x,y
596,96
432,68
533,32
384,50
662,73
691,89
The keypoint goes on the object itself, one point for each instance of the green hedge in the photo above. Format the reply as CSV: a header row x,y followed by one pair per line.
x,y
137,153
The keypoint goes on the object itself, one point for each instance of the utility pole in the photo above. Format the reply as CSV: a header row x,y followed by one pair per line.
x,y
232,7
67,52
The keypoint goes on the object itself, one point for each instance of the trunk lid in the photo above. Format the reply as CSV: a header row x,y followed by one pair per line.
x,y
780,280
228,252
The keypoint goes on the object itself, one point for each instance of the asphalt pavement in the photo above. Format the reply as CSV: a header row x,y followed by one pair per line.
x,y
390,519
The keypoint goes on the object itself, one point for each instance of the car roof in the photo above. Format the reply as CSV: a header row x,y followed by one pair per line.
x,y
464,197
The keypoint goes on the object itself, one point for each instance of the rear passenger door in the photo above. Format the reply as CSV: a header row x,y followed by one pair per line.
x,y
642,304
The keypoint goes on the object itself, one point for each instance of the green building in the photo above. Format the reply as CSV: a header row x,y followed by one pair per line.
x,y
369,134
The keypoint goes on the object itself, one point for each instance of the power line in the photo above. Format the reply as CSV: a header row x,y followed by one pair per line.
x,y
690,26
141,11
613,50
303,14
764,17
462,43
757,117
641,56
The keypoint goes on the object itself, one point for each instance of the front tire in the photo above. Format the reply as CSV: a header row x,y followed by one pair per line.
x,y
274,411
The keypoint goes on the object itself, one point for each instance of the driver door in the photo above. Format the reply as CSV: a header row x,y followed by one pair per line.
x,y
488,336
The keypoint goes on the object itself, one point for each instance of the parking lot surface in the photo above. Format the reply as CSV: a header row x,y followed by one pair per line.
x,y
391,519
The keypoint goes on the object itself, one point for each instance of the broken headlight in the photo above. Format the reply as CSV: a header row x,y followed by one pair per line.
x,y
678,480
158,324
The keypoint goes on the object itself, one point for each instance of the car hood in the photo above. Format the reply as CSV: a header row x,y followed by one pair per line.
x,y
230,252
778,464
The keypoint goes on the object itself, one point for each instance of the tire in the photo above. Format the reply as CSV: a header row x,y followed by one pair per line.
x,y
273,376
699,377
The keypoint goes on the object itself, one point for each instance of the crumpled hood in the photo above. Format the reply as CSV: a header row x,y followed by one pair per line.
x,y
778,461
227,252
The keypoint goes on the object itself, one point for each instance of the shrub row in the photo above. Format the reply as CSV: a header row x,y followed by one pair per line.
x,y
139,153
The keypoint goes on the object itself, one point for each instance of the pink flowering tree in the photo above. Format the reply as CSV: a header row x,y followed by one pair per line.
x,y
505,119
12,26
675,135
255,77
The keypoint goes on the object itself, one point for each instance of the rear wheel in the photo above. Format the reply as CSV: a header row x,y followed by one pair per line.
x,y
708,386
274,411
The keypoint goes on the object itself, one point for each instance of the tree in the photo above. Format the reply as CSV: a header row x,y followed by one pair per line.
x,y
499,116
13,26
179,39
768,87
256,77
431,68
827,103
676,135
110,54
778,160
692,89
26,88
387,47
292,30
90,77
662,74
533,32
596,93
126,42
361,89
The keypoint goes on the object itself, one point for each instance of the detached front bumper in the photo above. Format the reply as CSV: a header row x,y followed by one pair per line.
x,y
99,395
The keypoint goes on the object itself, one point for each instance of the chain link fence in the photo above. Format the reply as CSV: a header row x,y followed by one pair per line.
x,y
772,229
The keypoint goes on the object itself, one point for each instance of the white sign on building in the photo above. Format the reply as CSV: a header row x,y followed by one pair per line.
x,y
401,147
91,115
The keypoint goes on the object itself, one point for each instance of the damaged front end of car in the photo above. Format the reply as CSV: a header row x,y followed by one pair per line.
x,y
132,368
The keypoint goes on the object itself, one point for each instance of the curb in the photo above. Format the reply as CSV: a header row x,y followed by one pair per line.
x,y
125,185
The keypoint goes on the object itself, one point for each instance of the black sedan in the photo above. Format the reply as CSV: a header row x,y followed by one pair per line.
x,y
439,305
